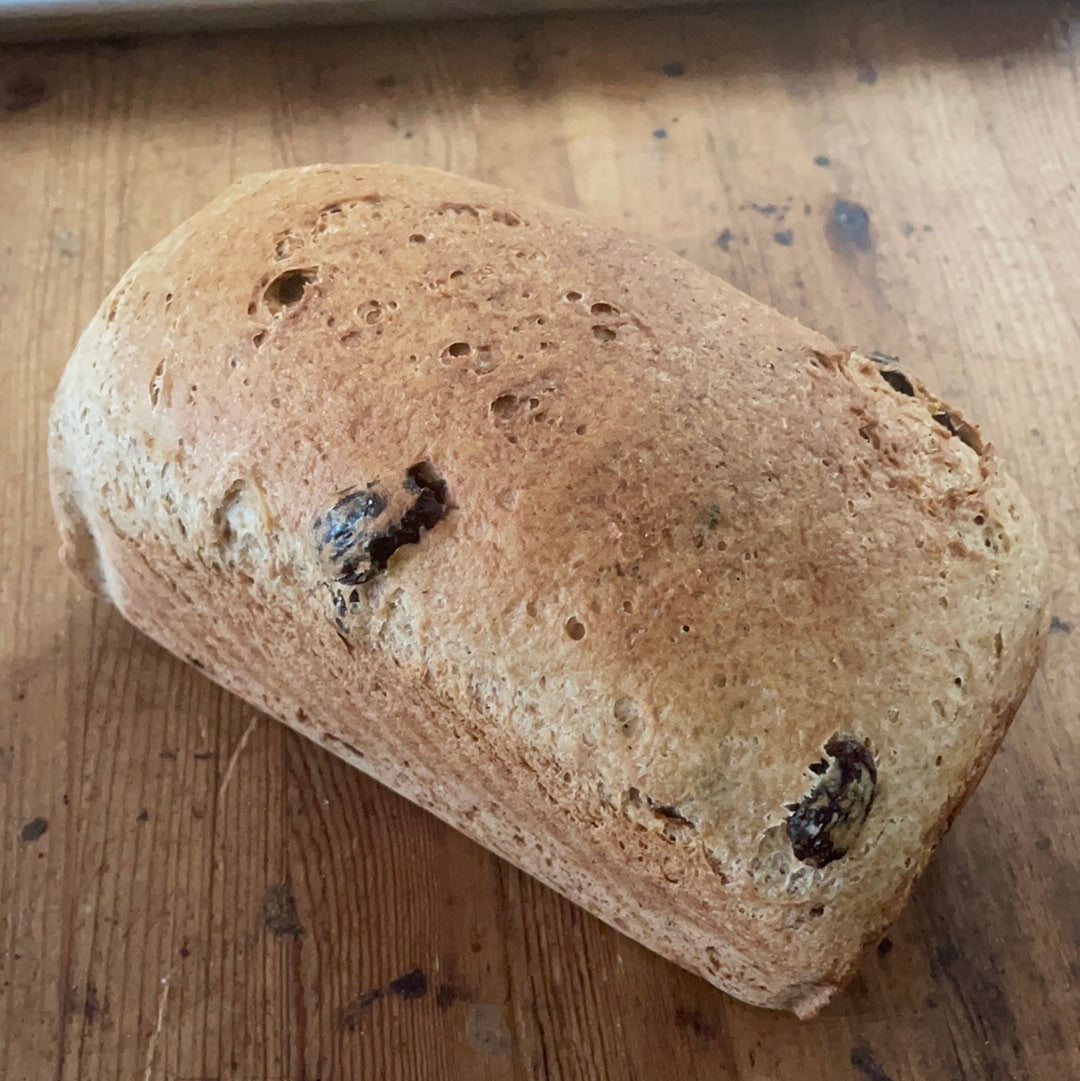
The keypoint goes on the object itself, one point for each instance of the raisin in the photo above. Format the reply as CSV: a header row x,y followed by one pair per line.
x,y
428,509
358,535
342,522
824,825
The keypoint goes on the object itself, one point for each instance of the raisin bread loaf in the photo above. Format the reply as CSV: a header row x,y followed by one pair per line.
x,y
703,621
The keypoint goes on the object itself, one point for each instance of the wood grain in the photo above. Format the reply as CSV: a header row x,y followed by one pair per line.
x,y
900,176
35,20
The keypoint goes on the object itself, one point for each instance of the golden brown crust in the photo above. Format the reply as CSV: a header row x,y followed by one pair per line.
x,y
568,541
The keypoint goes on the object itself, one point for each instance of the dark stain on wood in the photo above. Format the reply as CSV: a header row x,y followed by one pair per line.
x,y
350,1015
694,1021
848,226
412,984
278,912
526,70
867,1065
942,960
84,1004
448,992
93,1008
34,829
24,92
487,1031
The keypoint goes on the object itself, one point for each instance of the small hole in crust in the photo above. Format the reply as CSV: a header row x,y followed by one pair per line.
x,y
287,290
603,334
156,381
575,629
898,381
417,238
286,244
960,428
573,296
458,349
628,716
600,308
424,475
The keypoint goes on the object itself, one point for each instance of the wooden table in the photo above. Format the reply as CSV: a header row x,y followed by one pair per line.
x,y
189,891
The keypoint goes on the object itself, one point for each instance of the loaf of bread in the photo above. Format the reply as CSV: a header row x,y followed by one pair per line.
x,y
703,621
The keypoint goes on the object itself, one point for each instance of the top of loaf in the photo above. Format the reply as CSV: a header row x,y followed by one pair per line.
x,y
766,596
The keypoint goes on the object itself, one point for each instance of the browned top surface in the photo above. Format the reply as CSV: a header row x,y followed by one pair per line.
x,y
275,899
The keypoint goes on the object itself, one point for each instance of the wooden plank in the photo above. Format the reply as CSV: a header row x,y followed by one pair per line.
x,y
36,20
902,177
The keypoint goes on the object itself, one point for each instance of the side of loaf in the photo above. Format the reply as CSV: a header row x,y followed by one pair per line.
x,y
706,623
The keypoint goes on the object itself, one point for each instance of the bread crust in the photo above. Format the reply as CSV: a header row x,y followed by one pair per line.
x,y
567,541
